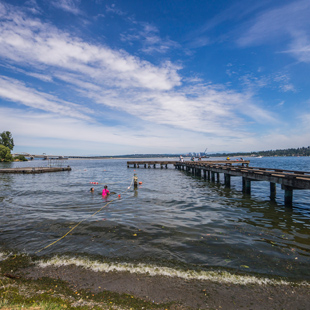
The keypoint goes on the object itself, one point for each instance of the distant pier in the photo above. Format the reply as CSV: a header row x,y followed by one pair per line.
x,y
33,170
164,164
210,170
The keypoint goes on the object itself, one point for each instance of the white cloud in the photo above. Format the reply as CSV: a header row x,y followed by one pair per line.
x,y
300,46
46,131
291,21
149,38
34,129
254,83
15,91
163,111
113,9
28,41
121,81
71,6
33,7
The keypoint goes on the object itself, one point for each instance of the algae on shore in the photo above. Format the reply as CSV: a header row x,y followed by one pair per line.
x,y
24,284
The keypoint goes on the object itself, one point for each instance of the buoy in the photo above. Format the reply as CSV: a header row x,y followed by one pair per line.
x,y
140,183
119,196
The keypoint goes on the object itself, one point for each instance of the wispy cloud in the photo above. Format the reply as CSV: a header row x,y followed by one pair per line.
x,y
29,41
121,81
290,21
115,10
15,91
71,6
204,36
256,82
33,7
148,36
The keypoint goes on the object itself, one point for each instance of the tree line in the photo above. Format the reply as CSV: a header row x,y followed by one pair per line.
x,y
6,146
300,151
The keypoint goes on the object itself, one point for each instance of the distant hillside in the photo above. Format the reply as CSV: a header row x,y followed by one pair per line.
x,y
300,151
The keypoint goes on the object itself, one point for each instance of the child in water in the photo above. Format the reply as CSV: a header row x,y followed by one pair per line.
x,y
105,191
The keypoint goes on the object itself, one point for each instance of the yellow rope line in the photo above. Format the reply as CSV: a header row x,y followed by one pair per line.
x,y
82,221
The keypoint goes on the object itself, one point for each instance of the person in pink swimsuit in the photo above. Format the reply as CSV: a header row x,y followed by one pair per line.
x,y
105,191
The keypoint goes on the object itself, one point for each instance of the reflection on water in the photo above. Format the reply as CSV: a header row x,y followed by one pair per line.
x,y
172,217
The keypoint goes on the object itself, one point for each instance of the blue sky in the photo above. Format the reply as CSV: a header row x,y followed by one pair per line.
x,y
100,77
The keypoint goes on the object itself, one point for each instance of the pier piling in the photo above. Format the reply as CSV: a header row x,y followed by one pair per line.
x,y
290,180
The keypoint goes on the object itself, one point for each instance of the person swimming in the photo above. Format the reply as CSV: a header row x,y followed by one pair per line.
x,y
92,189
105,191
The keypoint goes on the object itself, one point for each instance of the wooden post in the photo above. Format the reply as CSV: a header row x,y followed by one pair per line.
x,y
217,177
205,174
246,185
288,195
208,175
212,176
227,180
273,191
135,181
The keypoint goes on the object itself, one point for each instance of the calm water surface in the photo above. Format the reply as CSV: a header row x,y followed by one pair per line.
x,y
173,219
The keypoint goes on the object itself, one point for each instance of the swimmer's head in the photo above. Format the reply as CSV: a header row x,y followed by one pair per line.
x,y
92,189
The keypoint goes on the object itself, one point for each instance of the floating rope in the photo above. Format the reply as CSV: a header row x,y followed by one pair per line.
x,y
85,219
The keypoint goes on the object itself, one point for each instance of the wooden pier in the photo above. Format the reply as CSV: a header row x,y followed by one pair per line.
x,y
28,170
164,164
210,170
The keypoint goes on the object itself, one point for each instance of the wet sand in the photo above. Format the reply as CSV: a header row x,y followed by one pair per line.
x,y
186,294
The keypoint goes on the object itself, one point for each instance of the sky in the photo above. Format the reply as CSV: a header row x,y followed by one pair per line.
x,y
101,77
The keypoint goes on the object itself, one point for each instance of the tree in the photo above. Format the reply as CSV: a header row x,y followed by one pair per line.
x,y
6,139
20,158
5,154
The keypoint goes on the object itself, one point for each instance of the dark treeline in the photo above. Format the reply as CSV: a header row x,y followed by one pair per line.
x,y
300,151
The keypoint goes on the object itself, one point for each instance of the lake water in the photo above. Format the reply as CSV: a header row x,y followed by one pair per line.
x,y
173,219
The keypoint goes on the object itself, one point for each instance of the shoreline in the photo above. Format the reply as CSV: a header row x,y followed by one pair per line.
x,y
176,292
80,286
